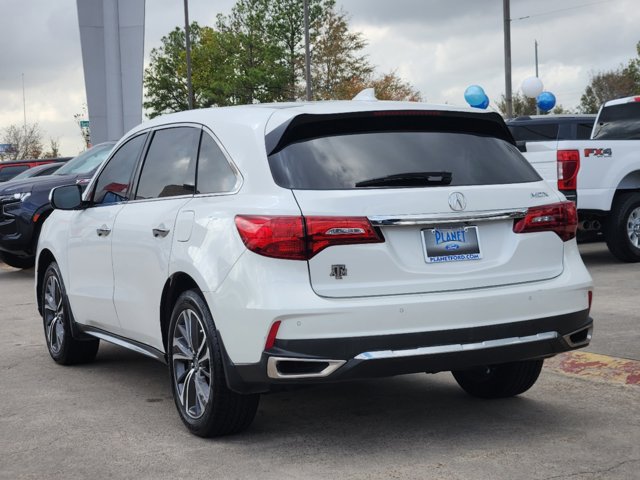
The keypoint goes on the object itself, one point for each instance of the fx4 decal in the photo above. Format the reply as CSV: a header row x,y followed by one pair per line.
x,y
597,152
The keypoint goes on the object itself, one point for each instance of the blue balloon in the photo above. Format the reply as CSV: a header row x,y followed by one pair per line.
x,y
474,95
546,101
484,104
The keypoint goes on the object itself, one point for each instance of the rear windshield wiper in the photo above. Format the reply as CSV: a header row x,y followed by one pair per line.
x,y
409,179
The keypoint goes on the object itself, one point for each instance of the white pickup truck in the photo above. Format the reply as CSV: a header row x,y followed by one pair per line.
x,y
602,175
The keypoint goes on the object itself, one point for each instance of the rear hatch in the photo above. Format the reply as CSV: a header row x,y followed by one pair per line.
x,y
441,189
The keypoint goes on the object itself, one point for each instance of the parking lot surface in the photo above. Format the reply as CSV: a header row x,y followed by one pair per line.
x,y
115,418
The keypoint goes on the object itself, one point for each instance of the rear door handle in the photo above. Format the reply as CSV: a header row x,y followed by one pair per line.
x,y
103,231
160,231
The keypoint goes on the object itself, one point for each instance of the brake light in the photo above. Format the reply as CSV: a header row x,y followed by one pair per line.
x,y
560,218
568,166
301,238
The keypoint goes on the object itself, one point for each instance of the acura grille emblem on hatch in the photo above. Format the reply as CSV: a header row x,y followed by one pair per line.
x,y
457,201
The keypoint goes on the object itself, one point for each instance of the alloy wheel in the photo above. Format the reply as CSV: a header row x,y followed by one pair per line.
x,y
191,363
54,315
633,227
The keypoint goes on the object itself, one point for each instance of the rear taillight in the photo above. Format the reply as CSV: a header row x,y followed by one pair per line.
x,y
301,238
560,218
568,166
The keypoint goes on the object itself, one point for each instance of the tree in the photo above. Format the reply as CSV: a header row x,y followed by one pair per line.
x,y
256,54
603,86
26,141
54,149
521,105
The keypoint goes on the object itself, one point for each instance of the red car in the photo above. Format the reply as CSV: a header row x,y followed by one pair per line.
x,y
11,168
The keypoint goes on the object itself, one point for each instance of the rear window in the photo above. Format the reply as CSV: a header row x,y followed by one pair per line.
x,y
364,159
534,133
619,122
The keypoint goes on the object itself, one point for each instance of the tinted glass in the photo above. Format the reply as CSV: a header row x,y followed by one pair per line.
x,y
38,171
534,133
340,162
170,166
88,161
214,172
619,122
7,173
584,131
113,183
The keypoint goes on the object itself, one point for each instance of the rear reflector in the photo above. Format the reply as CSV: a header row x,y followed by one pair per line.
x,y
568,166
301,238
271,337
560,218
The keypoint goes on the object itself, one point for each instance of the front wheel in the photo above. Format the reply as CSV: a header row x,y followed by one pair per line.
x,y
206,405
56,318
499,381
622,229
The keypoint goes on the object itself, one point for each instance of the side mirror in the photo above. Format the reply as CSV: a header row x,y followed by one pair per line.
x,y
67,197
522,145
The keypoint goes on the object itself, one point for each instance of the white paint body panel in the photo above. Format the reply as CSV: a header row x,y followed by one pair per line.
x,y
247,292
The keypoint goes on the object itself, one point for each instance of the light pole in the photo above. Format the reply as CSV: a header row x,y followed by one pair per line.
x,y
307,53
188,48
507,57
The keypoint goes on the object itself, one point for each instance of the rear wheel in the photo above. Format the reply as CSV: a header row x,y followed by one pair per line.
x,y
16,261
206,405
56,317
622,231
499,381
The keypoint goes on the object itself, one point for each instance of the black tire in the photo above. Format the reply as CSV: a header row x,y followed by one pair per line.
x,y
17,262
499,381
196,368
622,228
57,318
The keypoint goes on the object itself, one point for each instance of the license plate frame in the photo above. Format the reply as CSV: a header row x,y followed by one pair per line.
x,y
451,244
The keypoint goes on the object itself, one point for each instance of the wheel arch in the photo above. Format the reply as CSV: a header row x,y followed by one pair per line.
x,y
631,181
45,259
176,284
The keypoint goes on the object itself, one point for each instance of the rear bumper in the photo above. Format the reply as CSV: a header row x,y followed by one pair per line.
x,y
312,361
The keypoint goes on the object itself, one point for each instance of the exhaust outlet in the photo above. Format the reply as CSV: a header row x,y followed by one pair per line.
x,y
287,367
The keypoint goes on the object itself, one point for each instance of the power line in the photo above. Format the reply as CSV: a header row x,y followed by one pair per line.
x,y
563,9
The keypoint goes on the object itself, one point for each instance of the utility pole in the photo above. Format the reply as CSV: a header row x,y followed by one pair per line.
x,y
507,57
537,76
188,47
307,53
24,106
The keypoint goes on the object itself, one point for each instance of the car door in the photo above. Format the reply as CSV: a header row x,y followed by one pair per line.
x,y
90,286
144,231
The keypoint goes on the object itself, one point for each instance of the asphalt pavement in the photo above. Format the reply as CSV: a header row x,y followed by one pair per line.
x,y
115,418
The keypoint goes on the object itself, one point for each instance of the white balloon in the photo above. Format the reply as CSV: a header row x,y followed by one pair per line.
x,y
532,87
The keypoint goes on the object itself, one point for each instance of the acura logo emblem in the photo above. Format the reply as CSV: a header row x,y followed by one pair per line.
x,y
457,201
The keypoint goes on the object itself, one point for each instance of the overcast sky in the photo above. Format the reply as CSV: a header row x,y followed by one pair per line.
x,y
440,46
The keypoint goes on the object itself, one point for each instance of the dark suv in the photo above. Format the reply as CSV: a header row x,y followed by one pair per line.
x,y
544,128
24,205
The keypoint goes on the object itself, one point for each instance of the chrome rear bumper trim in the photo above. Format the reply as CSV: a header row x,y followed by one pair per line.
x,y
273,372
445,218
454,348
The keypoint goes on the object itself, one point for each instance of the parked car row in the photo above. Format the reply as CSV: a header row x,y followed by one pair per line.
x,y
11,168
263,247
24,204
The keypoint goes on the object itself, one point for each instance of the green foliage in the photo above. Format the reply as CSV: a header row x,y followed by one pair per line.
x,y
623,81
256,54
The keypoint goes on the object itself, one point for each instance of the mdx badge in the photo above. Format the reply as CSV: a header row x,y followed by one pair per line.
x,y
457,202
539,194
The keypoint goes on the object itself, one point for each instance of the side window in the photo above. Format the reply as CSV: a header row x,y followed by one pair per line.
x,y
584,131
169,169
534,133
215,175
113,184
7,173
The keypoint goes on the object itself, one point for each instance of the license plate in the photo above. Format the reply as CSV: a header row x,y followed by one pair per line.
x,y
451,244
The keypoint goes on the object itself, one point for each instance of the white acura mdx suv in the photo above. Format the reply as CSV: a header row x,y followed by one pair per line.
x,y
257,247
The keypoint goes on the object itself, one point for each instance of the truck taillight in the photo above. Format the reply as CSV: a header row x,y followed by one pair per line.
x,y
301,238
560,218
568,166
